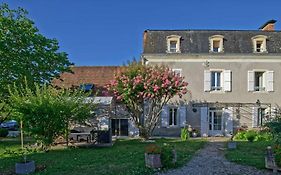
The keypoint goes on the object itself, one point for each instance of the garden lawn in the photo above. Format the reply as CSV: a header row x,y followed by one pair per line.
x,y
125,157
249,153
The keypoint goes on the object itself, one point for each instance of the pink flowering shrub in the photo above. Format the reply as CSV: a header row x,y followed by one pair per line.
x,y
152,85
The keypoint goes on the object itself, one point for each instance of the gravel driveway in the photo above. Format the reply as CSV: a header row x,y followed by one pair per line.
x,y
210,161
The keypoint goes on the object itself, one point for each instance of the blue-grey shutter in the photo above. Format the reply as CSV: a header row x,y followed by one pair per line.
x,y
165,116
228,120
255,117
204,121
182,117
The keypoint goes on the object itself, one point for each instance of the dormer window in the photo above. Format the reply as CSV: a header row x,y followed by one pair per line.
x,y
173,44
259,44
216,43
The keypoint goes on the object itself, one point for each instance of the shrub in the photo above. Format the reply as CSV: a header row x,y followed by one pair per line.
x,y
4,132
167,156
240,135
263,136
184,134
152,149
250,135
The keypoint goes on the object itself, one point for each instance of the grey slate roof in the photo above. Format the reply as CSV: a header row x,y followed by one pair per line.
x,y
197,41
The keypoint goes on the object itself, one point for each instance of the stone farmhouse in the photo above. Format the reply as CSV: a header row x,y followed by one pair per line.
x,y
233,77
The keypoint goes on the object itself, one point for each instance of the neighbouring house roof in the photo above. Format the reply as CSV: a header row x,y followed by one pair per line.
x,y
98,76
197,41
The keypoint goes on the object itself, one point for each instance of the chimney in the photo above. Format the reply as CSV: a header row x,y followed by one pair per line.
x,y
268,26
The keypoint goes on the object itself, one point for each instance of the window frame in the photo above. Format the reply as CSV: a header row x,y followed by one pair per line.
x,y
173,38
214,38
177,69
259,38
262,87
216,88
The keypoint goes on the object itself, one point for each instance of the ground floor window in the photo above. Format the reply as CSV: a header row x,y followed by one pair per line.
x,y
173,116
261,114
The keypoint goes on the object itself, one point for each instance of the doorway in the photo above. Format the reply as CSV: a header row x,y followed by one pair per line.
x,y
215,122
119,127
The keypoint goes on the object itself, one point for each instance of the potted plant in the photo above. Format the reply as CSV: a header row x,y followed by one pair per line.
x,y
25,166
231,144
153,156
194,132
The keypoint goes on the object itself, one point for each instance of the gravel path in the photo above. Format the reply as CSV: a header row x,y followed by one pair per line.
x,y
210,161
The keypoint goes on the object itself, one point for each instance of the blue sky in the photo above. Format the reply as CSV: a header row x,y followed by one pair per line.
x,y
109,32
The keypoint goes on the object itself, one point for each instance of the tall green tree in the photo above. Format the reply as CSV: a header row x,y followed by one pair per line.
x,y
25,53
46,112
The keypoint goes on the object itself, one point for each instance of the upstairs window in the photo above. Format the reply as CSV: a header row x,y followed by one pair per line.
x,y
173,44
216,43
177,72
216,81
259,81
259,44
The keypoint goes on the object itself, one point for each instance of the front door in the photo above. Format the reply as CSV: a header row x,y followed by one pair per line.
x,y
119,127
215,122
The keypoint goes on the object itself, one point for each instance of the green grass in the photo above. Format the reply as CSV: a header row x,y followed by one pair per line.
x,y
249,153
125,157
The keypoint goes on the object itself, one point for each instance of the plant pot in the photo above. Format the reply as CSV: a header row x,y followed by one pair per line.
x,y
232,145
153,160
25,168
194,134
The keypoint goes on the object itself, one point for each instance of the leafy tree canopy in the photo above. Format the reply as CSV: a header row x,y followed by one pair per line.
x,y
25,53
47,112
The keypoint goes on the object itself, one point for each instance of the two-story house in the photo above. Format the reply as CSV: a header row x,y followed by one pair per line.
x,y
233,77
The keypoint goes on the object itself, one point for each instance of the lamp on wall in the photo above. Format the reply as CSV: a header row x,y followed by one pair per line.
x,y
258,103
206,64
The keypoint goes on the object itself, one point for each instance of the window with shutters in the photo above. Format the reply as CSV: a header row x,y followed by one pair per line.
x,y
173,116
259,44
173,44
216,43
217,80
260,81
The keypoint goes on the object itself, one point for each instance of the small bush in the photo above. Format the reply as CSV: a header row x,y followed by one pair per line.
x,y
240,135
167,156
184,134
251,135
4,132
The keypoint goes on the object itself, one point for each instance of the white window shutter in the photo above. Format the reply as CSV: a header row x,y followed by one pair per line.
x,y
204,121
227,80
251,80
207,80
165,116
182,112
269,81
255,117
228,120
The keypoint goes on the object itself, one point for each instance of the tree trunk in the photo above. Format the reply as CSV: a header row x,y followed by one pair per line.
x,y
144,134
